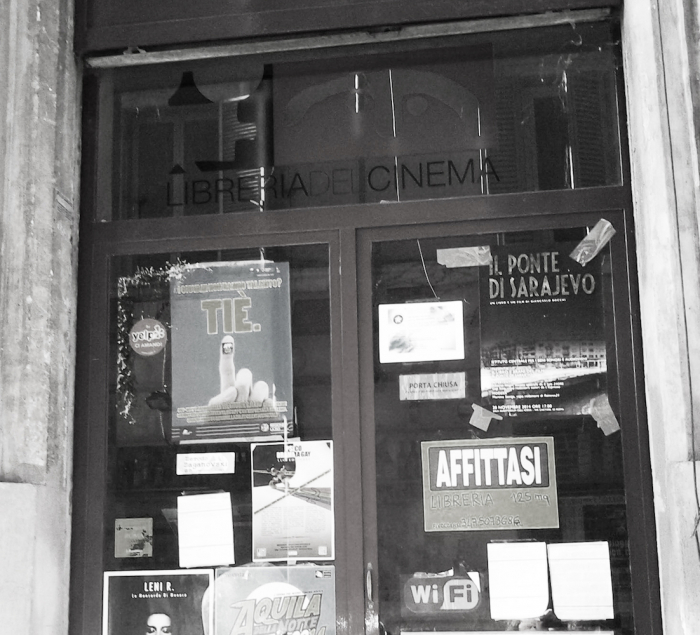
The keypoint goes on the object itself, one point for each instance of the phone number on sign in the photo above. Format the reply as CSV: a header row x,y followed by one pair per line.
x,y
479,521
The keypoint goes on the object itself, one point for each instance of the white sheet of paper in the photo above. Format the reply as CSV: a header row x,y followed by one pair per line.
x,y
421,332
205,530
581,581
518,582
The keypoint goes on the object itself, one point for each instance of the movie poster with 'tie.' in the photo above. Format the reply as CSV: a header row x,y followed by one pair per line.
x,y
542,332
232,351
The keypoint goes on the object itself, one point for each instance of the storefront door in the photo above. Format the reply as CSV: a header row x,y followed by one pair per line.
x,y
493,401
359,351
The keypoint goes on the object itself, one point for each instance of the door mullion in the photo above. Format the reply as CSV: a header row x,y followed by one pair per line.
x,y
344,316
369,472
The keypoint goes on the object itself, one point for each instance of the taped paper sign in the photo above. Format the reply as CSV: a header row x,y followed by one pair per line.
x,y
465,256
518,582
489,484
581,581
205,529
421,332
591,245
432,386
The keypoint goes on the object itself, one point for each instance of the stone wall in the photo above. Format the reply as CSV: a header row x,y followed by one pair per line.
x,y
39,149
661,69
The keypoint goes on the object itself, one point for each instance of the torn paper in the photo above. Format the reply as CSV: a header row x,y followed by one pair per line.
x,y
481,418
599,408
591,245
465,256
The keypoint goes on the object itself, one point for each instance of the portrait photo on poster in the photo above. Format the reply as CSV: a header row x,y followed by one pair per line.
x,y
156,602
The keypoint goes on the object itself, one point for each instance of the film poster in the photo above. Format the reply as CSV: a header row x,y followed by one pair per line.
x,y
156,602
293,516
489,484
232,351
267,600
542,332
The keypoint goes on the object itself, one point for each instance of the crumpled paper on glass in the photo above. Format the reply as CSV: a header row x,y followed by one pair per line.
x,y
599,408
481,418
465,256
591,245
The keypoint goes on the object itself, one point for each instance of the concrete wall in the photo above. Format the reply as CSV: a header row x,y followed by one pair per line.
x,y
660,44
39,146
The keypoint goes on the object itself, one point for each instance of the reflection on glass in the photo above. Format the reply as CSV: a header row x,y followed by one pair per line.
x,y
485,461
183,424
503,112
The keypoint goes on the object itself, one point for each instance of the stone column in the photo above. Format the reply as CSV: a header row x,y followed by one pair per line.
x,y
661,70
39,149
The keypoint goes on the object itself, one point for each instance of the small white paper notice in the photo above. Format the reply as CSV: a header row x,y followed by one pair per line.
x,y
205,530
581,581
206,463
432,386
518,581
421,332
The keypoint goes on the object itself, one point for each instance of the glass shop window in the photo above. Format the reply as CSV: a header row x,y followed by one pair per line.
x,y
455,396
498,436
220,440
497,113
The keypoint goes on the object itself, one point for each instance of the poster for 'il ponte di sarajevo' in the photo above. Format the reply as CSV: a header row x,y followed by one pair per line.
x,y
542,331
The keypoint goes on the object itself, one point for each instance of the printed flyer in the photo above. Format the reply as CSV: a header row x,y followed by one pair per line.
x,y
293,517
133,538
269,600
542,332
421,332
232,351
156,602
489,484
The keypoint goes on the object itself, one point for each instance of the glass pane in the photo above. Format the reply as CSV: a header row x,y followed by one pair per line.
x,y
499,456
221,386
512,111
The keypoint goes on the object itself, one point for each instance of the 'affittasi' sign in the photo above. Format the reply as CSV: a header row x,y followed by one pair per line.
x,y
489,484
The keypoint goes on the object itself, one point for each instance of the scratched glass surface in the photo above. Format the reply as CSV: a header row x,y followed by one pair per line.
x,y
496,414
144,476
516,111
